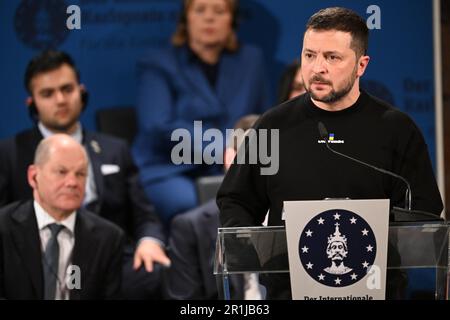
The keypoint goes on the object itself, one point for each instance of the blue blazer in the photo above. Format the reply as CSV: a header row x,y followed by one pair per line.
x,y
173,92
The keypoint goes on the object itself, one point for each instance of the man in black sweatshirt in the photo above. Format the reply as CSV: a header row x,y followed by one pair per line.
x,y
333,60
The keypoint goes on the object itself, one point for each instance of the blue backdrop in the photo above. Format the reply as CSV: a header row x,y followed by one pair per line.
x,y
114,33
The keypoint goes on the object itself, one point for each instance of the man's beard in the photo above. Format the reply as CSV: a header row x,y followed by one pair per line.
x,y
333,96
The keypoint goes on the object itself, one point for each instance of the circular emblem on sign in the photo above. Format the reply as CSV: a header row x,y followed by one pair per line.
x,y
337,248
41,24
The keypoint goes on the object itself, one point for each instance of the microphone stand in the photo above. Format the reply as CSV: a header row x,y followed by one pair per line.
x,y
400,214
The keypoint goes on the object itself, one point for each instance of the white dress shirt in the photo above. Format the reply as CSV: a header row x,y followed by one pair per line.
x,y
252,289
66,241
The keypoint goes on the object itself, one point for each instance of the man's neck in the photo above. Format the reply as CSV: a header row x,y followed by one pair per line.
x,y
58,215
74,131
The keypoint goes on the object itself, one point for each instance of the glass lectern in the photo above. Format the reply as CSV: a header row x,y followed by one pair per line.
x,y
418,257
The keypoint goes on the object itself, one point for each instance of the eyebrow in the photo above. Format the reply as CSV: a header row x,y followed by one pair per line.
x,y
53,89
325,52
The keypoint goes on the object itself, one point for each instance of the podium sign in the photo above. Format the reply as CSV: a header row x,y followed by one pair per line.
x,y
337,249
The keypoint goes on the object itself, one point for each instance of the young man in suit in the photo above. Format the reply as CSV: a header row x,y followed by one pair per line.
x,y
45,239
113,190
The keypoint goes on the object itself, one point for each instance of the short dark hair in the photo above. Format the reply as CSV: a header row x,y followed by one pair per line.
x,y
342,19
286,81
47,60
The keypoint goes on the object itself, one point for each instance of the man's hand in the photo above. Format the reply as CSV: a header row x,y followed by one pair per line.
x,y
148,252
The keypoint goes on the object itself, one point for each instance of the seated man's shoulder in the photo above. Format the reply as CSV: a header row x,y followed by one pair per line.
x,y
14,214
21,138
100,224
8,210
101,141
6,143
208,210
8,148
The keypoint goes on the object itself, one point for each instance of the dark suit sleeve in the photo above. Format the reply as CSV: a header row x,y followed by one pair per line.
x,y
144,218
185,279
4,174
2,275
113,276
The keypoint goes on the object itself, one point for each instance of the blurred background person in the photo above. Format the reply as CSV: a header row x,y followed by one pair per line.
x,y
291,83
49,240
205,75
113,190
192,245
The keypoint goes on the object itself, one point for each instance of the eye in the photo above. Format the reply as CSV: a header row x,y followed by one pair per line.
x,y
68,88
199,9
81,174
219,10
333,58
46,93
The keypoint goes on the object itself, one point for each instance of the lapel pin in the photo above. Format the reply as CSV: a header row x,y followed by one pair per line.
x,y
95,146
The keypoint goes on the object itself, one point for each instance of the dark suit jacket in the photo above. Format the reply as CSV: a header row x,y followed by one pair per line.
x,y
21,275
192,244
121,198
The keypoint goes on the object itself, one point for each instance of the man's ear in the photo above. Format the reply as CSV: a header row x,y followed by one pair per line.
x,y
28,101
84,95
362,65
31,175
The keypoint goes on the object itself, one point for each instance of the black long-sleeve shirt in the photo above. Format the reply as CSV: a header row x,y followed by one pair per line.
x,y
370,130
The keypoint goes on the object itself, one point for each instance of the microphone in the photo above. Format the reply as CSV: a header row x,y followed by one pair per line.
x,y
408,195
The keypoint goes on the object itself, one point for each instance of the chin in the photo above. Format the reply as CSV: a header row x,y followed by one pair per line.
x,y
324,92
69,206
319,97
212,41
66,124
71,209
